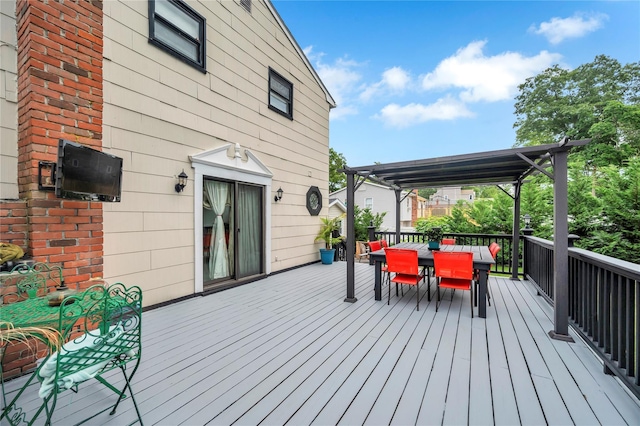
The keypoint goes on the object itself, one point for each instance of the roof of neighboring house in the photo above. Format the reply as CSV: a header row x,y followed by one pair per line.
x,y
336,202
376,185
276,15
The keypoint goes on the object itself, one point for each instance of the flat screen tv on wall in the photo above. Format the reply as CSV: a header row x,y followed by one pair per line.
x,y
83,173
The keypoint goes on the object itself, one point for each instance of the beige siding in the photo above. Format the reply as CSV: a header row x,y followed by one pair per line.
x,y
8,102
159,110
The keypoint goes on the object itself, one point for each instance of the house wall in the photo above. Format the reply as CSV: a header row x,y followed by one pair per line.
x,y
155,112
8,102
384,200
159,111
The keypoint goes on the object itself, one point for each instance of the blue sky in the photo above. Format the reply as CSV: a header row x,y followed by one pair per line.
x,y
423,79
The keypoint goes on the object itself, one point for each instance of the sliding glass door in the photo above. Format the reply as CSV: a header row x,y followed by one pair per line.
x,y
233,233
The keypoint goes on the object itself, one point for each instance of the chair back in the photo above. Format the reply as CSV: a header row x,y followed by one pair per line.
x,y
448,241
453,264
375,245
494,248
384,243
27,281
402,261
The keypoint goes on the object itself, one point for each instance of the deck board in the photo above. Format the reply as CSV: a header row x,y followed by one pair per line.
x,y
289,350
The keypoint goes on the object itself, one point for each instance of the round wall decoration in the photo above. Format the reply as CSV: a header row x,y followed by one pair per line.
x,y
314,201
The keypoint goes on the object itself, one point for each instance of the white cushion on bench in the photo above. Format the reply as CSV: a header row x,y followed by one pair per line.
x,y
89,340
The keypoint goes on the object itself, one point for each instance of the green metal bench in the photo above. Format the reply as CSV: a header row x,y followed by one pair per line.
x,y
100,331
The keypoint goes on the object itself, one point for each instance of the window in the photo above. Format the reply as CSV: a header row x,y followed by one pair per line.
x,y
246,4
368,203
280,94
179,30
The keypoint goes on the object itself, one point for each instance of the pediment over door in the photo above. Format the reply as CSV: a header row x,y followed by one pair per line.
x,y
231,157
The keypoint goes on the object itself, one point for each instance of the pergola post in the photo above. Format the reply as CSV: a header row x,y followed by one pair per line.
x,y
351,240
398,193
515,249
560,248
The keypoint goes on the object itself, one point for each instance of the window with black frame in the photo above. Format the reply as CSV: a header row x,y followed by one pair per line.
x,y
179,30
280,94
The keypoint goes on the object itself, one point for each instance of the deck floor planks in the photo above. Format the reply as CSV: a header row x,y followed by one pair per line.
x,y
360,407
549,396
539,324
480,402
457,402
529,411
286,349
273,394
433,404
581,364
408,362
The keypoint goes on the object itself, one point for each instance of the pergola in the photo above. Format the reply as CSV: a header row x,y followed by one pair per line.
x,y
508,166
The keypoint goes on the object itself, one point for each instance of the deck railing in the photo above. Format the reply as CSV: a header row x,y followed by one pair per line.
x,y
503,260
604,303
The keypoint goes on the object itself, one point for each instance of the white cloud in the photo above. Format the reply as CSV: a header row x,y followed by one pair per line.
x,y
394,80
559,29
447,108
486,78
341,79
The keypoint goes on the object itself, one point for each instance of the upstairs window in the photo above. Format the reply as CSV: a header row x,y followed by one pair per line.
x,y
179,30
280,94
368,203
246,4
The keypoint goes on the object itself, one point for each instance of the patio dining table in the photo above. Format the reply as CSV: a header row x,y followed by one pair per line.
x,y
482,261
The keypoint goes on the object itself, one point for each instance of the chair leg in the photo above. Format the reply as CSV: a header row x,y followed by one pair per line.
x,y
438,298
471,299
127,386
418,296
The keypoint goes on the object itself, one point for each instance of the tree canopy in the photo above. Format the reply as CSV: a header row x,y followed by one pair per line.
x,y
336,162
598,100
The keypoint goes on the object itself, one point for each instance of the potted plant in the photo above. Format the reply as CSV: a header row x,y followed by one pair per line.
x,y
434,236
326,234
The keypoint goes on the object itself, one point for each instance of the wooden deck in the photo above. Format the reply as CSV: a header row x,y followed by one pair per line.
x,y
289,350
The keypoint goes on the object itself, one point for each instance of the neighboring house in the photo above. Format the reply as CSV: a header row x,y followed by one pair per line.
x,y
219,89
442,202
418,207
380,199
337,208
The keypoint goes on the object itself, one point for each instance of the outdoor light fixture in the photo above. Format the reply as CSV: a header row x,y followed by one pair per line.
x,y
182,181
527,221
278,196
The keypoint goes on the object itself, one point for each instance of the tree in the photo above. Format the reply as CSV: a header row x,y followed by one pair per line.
x,y
590,101
336,162
362,219
426,192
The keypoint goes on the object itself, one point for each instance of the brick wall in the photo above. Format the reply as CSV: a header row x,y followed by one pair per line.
x,y
60,44
59,96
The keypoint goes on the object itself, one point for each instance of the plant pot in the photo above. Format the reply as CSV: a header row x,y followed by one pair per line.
x,y
326,256
434,245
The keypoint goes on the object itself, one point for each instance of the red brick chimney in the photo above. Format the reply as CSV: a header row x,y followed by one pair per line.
x,y
60,47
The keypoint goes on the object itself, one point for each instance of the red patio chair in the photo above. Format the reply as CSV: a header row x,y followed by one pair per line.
x,y
404,263
454,270
375,246
448,241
